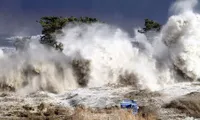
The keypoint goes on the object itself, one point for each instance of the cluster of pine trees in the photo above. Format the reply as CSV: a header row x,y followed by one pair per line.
x,y
52,25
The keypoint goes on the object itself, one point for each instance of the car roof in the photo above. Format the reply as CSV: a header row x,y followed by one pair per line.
x,y
129,101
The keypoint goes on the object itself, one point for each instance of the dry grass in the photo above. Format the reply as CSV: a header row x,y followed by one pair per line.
x,y
51,112
109,114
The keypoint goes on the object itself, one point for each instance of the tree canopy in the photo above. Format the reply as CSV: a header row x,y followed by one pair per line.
x,y
52,25
150,25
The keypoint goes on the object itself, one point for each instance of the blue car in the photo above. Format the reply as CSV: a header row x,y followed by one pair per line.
x,y
130,104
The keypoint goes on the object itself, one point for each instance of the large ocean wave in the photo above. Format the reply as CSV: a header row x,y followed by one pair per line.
x,y
100,54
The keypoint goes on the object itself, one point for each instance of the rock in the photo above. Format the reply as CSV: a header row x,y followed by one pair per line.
x,y
188,104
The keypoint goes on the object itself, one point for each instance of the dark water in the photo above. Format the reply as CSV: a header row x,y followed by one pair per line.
x,y
5,42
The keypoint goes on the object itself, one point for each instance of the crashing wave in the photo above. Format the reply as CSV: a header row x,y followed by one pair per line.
x,y
99,54
181,35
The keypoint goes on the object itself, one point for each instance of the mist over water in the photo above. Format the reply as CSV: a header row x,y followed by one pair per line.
x,y
147,60
181,35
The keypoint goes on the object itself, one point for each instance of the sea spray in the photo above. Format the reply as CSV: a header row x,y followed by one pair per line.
x,y
36,68
145,60
181,35
112,54
110,51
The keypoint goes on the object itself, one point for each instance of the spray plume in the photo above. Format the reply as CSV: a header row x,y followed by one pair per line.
x,y
99,54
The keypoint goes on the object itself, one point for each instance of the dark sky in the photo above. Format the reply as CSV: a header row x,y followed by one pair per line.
x,y
19,16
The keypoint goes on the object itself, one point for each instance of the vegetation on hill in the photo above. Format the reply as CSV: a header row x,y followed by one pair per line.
x,y
150,25
52,25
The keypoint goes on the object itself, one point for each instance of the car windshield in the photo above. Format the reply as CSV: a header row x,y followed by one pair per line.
x,y
127,101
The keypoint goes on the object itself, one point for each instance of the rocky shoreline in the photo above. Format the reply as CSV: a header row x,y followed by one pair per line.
x,y
98,104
